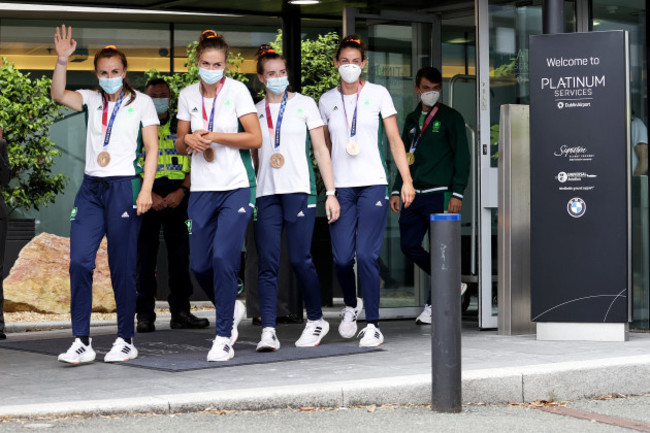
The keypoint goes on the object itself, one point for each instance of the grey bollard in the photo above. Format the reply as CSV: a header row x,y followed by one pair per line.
x,y
445,313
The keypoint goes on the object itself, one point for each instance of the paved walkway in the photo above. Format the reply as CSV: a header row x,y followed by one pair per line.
x,y
496,369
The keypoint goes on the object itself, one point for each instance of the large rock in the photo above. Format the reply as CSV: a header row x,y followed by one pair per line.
x,y
39,280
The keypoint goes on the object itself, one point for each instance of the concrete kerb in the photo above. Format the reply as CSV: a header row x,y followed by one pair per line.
x,y
559,381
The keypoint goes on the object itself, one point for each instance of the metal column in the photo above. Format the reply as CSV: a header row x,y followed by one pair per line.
x,y
514,221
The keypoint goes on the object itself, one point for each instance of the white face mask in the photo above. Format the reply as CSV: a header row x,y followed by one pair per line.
x,y
350,72
430,98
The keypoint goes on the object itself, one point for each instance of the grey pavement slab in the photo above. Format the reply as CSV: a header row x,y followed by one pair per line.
x,y
495,369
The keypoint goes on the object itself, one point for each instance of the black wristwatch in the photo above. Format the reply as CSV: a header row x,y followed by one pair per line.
x,y
185,189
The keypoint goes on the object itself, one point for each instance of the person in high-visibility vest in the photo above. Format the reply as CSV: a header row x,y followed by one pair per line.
x,y
169,210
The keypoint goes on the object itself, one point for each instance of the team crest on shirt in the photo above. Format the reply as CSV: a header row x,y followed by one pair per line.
x,y
436,126
73,214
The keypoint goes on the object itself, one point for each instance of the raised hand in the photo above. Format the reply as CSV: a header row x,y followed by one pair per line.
x,y
64,43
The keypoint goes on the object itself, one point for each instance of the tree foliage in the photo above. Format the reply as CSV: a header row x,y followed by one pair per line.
x,y
26,114
180,80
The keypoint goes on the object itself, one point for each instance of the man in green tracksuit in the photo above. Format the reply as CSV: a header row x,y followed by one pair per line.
x,y
437,151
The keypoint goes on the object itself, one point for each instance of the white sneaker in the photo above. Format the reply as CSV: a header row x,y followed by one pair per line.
x,y
425,316
463,288
348,326
240,313
79,353
221,350
313,333
370,336
269,341
121,351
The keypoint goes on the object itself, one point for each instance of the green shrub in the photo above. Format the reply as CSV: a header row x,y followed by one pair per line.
x,y
26,114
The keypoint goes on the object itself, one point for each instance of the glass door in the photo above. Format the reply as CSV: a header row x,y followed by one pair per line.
x,y
398,45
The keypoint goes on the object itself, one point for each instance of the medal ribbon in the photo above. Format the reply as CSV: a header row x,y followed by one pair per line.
x,y
209,123
432,113
108,129
278,123
352,130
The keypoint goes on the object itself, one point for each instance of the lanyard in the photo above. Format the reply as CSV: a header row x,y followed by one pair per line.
x,y
209,123
278,123
107,130
432,113
352,130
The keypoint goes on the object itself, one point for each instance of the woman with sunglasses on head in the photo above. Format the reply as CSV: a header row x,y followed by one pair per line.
x,y
119,121
356,114
222,198
286,196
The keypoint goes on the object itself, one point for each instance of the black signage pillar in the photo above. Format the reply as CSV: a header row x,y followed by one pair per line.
x,y
579,156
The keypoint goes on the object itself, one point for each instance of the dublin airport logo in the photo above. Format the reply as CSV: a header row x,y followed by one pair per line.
x,y
576,207
560,105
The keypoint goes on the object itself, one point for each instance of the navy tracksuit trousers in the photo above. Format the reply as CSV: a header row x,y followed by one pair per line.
x,y
292,212
104,206
360,229
414,224
218,225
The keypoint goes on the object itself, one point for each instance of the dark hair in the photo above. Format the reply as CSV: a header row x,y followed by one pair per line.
x,y
112,51
211,40
431,74
351,41
265,53
157,81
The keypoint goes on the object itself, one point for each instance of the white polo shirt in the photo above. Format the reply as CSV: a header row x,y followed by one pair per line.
x,y
125,144
368,167
296,175
232,168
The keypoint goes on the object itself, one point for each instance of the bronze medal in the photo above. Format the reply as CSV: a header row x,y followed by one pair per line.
x,y
352,148
208,154
410,157
103,158
277,160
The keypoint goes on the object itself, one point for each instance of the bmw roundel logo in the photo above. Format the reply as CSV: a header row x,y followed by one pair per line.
x,y
576,207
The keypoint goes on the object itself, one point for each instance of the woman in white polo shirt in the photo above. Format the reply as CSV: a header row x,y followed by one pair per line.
x,y
119,121
286,196
222,197
356,114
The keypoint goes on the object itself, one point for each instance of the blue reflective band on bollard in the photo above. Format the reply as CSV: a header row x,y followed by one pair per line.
x,y
445,217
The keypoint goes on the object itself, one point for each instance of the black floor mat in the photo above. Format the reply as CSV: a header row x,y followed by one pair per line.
x,y
183,350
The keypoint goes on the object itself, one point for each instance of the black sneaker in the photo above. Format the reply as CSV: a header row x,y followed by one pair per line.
x,y
145,325
187,320
290,319
2,336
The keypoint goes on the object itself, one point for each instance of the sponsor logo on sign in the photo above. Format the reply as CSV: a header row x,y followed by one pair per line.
x,y
576,207
561,177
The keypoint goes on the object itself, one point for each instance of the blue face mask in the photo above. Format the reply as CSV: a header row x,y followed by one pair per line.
x,y
161,104
277,85
210,76
110,85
